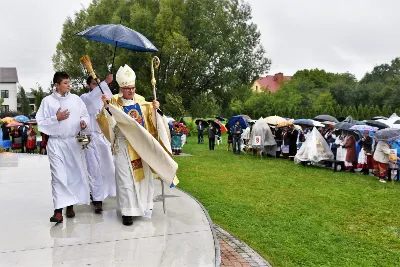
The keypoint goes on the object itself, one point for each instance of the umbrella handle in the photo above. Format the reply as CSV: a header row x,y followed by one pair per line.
x,y
115,51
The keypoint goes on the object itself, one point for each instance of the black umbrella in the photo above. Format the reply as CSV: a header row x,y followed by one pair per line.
x,y
377,124
388,134
326,118
203,122
214,123
220,118
343,126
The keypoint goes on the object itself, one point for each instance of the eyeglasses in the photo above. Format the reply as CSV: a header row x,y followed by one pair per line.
x,y
129,88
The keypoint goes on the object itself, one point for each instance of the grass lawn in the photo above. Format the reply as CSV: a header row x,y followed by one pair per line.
x,y
294,215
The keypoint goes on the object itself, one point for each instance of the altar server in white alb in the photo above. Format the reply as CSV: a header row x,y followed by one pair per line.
x,y
141,146
61,116
99,159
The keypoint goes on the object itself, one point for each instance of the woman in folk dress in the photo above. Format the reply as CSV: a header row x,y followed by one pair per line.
x,y
31,142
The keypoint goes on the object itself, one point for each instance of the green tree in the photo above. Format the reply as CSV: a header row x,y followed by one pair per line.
x,y
23,101
345,111
360,112
376,111
232,55
387,111
39,95
173,106
367,113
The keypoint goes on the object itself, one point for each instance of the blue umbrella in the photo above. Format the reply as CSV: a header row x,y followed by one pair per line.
x,y
119,36
21,118
232,121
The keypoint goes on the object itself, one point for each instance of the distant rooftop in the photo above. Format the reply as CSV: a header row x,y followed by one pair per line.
x,y
8,75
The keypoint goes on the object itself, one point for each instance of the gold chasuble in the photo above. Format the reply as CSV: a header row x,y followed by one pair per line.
x,y
145,143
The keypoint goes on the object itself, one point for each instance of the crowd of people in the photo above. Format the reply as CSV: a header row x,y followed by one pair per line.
x,y
353,150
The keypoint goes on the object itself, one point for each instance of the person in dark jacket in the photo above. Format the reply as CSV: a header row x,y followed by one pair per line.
x,y
200,131
211,137
236,132
23,132
366,143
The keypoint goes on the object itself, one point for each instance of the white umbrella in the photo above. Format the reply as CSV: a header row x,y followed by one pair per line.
x,y
274,120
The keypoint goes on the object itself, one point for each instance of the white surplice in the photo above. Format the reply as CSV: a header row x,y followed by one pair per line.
x,y
135,198
98,155
69,176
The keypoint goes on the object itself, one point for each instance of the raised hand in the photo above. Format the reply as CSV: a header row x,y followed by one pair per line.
x,y
156,104
104,99
62,115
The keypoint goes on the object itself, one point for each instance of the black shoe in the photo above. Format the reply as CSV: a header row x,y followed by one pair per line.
x,y
127,220
98,207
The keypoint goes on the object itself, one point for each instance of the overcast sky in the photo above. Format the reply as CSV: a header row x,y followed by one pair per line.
x,y
337,36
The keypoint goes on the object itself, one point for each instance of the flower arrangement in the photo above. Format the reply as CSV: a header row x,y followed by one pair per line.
x,y
178,128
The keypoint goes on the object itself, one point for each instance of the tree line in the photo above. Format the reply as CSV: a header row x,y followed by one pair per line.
x,y
313,92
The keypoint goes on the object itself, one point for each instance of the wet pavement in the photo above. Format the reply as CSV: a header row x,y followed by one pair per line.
x,y
181,237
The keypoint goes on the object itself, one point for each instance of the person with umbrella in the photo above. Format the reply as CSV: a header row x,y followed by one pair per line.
x,y
236,131
98,154
365,159
62,116
132,130
351,153
382,154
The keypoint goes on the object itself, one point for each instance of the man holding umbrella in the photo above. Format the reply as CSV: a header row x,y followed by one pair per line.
x,y
98,153
200,132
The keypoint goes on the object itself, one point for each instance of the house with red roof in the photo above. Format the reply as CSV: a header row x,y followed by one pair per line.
x,y
269,83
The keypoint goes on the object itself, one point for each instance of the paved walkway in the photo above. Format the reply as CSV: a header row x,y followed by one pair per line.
x,y
181,237
236,253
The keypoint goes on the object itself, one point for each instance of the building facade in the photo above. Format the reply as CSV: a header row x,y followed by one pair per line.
x,y
8,88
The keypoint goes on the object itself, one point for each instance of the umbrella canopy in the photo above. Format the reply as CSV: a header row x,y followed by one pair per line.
x,y
14,124
326,118
303,122
203,122
318,124
220,118
7,120
379,118
364,128
284,124
388,134
274,120
221,126
377,124
246,117
119,36
21,118
328,123
241,119
343,126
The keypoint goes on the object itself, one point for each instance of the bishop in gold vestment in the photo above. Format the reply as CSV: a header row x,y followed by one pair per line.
x,y
140,143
